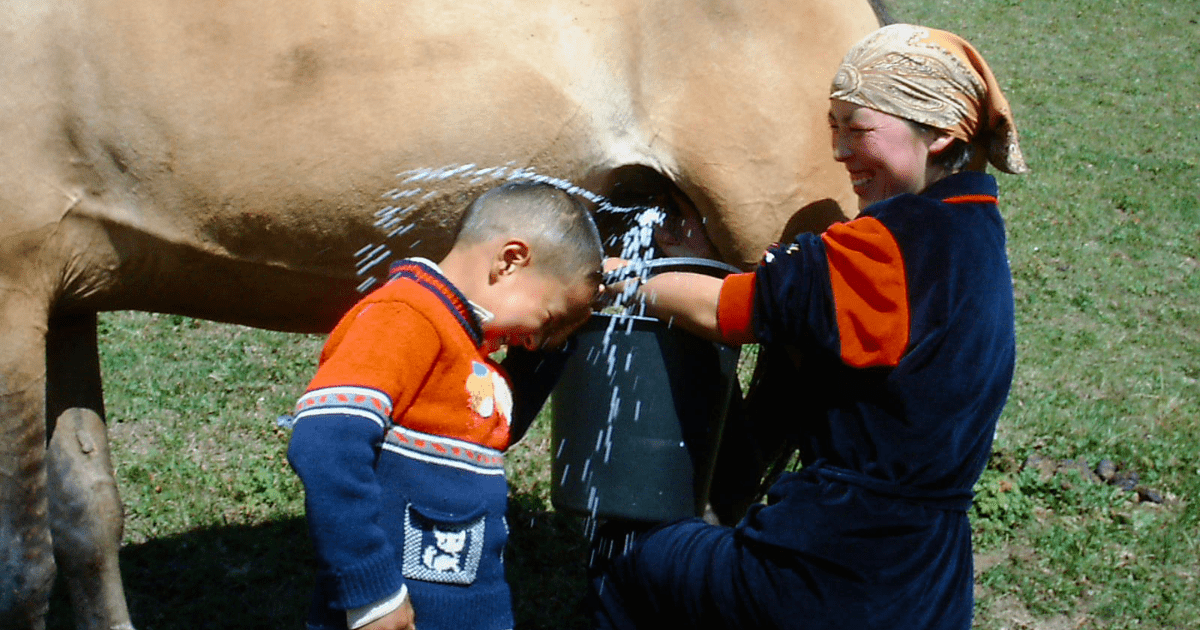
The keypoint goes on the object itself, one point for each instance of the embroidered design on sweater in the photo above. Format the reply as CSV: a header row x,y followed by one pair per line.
x,y
444,451
489,393
445,555
448,553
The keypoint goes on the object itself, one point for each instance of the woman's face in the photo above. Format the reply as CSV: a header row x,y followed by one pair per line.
x,y
885,155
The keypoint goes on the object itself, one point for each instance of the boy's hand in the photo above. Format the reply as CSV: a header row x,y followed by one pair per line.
x,y
400,619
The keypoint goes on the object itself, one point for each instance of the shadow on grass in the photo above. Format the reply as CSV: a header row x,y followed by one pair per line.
x,y
546,565
251,577
226,577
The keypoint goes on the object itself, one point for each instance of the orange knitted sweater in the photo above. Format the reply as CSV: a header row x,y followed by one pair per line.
x,y
417,341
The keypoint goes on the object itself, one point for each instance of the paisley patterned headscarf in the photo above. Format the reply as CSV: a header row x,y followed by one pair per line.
x,y
935,78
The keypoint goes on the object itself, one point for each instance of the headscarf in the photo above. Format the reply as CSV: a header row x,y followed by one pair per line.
x,y
935,78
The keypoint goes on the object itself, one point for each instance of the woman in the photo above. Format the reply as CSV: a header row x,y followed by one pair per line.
x,y
903,322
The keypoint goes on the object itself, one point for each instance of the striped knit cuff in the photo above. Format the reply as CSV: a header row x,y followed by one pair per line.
x,y
363,615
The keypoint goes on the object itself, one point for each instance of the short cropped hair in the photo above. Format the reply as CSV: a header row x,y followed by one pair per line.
x,y
561,232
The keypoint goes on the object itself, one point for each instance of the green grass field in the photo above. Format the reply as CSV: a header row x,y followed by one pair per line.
x,y
1105,250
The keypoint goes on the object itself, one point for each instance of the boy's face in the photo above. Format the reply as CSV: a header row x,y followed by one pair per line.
x,y
534,309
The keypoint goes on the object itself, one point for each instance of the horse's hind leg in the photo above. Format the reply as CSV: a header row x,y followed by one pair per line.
x,y
86,519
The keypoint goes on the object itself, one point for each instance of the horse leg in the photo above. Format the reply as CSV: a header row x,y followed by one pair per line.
x,y
26,557
86,518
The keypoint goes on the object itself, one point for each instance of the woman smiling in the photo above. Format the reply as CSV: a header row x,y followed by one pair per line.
x,y
902,322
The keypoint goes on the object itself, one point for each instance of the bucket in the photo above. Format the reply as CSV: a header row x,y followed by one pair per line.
x,y
636,422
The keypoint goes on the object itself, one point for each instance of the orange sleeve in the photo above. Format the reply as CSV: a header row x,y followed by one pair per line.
x,y
387,346
870,292
735,308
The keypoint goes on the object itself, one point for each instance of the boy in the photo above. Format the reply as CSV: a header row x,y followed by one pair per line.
x,y
399,439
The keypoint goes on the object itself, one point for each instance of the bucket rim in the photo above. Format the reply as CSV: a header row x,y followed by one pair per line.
x,y
667,264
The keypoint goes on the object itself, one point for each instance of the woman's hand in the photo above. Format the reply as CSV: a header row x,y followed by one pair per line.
x,y
621,292
613,264
686,299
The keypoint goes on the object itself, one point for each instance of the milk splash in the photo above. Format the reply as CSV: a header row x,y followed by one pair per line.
x,y
413,190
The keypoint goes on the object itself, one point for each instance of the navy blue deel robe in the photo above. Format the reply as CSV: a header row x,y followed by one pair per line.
x,y
904,321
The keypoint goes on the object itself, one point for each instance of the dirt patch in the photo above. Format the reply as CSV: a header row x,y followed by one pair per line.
x,y
1009,613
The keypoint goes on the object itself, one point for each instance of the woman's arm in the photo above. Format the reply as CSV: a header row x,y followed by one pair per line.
x,y
688,300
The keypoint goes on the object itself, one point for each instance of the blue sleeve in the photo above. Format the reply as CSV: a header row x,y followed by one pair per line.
x,y
334,455
793,302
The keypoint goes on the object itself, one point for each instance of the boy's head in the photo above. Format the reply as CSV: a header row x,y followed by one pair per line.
x,y
529,254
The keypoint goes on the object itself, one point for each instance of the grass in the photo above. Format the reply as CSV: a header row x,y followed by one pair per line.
x,y
1105,249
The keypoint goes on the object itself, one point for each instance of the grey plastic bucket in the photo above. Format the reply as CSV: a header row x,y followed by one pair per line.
x,y
637,421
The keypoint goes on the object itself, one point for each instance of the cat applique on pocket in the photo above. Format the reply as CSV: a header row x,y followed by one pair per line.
x,y
441,547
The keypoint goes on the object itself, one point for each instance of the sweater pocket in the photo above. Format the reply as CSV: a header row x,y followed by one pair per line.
x,y
442,547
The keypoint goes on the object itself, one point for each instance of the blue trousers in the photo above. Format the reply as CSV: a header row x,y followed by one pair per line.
x,y
690,574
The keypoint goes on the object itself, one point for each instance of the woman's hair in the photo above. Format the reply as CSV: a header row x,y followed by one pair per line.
x,y
560,231
953,158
